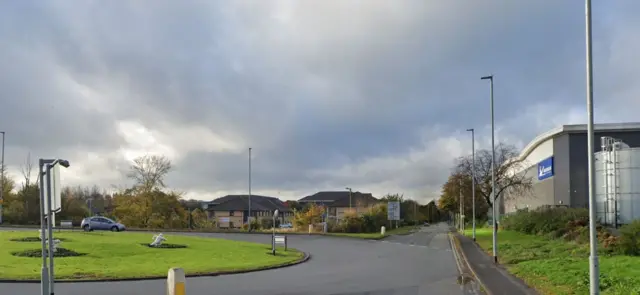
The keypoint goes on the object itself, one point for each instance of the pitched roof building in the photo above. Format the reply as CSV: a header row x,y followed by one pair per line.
x,y
233,210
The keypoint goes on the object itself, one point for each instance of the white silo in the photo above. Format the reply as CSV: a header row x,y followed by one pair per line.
x,y
617,182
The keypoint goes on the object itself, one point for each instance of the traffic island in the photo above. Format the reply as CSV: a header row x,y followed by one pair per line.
x,y
110,256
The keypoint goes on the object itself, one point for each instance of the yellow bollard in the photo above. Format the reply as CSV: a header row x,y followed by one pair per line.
x,y
176,282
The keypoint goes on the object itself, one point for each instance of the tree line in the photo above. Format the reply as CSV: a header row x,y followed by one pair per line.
x,y
148,203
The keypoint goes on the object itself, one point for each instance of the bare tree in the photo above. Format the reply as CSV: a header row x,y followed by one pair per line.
x,y
149,171
506,165
26,171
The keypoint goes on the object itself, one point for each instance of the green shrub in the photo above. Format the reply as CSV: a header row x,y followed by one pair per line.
x,y
629,242
546,221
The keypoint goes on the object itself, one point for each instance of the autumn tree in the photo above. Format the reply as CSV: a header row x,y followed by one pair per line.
x,y
149,172
150,209
459,185
505,163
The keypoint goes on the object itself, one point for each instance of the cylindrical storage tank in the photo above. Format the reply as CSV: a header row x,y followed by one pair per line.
x,y
601,168
628,174
618,185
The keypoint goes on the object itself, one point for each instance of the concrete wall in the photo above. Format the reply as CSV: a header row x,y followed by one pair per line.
x,y
542,193
562,171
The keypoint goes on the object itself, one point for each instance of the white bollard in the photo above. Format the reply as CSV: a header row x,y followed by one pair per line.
x,y
382,230
176,282
310,228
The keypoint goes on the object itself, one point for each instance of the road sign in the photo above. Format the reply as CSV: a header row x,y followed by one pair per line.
x,y
393,210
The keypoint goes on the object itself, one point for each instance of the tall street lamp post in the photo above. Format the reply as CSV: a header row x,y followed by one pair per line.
x,y
249,217
493,174
2,177
594,271
473,182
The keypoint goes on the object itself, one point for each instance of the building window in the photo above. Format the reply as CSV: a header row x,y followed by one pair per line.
x,y
231,213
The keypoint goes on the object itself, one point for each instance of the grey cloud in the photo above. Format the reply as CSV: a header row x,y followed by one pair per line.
x,y
321,91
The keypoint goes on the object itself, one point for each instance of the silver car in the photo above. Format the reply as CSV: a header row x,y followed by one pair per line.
x,y
101,223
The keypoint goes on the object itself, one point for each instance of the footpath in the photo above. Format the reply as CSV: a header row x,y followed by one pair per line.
x,y
493,278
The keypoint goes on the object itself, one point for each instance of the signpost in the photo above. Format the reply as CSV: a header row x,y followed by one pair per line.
x,y
49,177
393,211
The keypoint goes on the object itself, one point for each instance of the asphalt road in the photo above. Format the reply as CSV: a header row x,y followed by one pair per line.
x,y
420,263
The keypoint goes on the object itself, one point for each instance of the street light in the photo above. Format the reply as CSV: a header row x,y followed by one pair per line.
x,y
493,174
350,193
47,274
473,182
249,217
273,235
2,178
594,271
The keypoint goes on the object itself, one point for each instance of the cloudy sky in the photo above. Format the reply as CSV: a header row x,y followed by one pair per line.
x,y
370,94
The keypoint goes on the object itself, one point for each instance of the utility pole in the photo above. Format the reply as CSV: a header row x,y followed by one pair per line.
x,y
594,268
350,193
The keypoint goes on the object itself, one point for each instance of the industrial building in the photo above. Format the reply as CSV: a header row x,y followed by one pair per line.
x,y
556,162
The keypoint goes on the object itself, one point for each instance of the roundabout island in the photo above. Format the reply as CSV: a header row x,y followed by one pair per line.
x,y
108,256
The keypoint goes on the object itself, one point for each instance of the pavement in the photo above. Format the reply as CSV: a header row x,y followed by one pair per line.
x,y
494,278
415,264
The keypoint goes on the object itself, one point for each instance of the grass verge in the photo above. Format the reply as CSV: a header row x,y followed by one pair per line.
x,y
376,236
558,267
121,256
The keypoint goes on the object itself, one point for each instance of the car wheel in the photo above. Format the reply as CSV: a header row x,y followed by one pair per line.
x,y
115,228
86,228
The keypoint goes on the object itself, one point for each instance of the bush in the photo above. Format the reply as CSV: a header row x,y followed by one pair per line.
x,y
629,241
61,252
546,221
165,246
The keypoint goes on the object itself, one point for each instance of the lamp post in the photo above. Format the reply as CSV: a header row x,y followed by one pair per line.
x,y
493,174
350,193
249,217
473,182
273,235
2,178
594,271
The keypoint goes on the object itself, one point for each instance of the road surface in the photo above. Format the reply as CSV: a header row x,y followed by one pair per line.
x,y
420,263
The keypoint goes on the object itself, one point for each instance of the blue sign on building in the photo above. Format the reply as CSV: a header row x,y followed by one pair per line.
x,y
545,168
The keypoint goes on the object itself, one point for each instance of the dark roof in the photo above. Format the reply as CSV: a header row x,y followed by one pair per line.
x,y
241,203
325,197
339,199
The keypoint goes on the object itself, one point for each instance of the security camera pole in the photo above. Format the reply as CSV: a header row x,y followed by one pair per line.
x,y
493,175
273,235
47,274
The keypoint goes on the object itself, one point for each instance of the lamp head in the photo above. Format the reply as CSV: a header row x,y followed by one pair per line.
x,y
63,163
490,77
